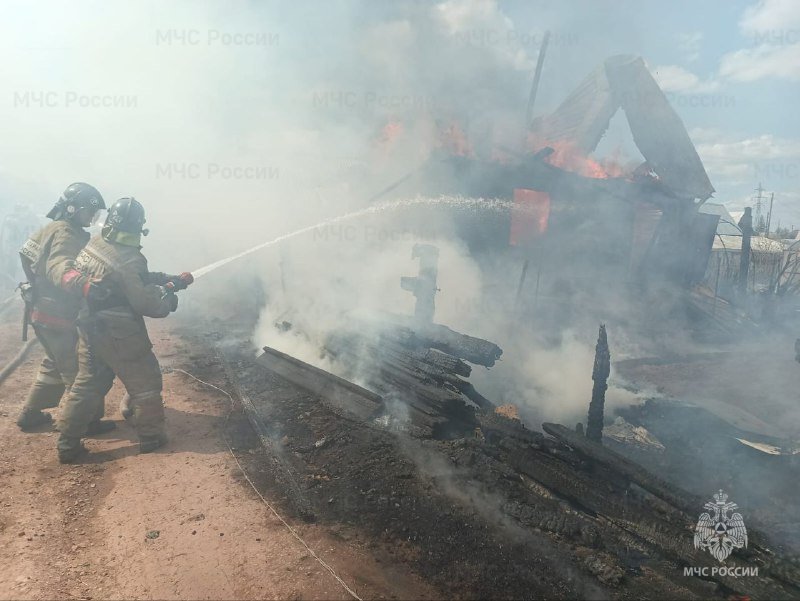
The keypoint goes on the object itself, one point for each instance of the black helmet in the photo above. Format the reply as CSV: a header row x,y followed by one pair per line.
x,y
126,215
77,196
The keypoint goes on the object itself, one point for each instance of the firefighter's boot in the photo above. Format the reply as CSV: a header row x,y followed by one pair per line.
x,y
31,419
70,450
148,444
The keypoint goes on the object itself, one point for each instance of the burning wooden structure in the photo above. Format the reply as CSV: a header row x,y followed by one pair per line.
x,y
641,224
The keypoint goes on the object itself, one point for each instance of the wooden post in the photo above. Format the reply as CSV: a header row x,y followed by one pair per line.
x,y
424,285
746,225
600,373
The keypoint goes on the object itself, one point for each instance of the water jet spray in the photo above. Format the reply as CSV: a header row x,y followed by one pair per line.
x,y
458,202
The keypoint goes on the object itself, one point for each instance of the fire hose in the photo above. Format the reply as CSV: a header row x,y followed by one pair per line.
x,y
18,359
23,352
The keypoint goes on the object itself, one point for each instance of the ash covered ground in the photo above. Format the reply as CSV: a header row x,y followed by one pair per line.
x,y
504,510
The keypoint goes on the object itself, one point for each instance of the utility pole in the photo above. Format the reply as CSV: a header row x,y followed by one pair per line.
x,y
758,217
769,214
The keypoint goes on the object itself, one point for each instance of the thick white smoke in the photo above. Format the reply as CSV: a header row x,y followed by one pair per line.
x,y
235,123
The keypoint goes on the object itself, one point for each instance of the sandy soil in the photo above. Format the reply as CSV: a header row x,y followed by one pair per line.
x,y
181,523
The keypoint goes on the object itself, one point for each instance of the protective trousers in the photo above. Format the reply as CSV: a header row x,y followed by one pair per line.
x,y
57,370
101,357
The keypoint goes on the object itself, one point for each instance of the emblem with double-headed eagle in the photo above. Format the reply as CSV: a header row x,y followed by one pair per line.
x,y
718,533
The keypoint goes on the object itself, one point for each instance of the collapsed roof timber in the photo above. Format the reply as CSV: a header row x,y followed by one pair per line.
x,y
624,82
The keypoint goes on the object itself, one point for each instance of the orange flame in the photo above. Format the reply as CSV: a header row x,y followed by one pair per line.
x,y
570,158
531,221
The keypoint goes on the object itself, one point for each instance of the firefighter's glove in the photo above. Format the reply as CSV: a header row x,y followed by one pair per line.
x,y
180,282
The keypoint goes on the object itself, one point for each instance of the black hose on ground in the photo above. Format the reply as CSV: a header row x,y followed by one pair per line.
x,y
17,360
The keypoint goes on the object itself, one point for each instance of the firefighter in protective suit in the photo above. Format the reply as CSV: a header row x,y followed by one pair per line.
x,y
113,336
53,297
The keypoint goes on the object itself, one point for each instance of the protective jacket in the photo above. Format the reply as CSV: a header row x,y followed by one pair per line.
x,y
49,255
134,292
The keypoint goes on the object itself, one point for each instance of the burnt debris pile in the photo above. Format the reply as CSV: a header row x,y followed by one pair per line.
x,y
422,372
400,422
414,375
589,515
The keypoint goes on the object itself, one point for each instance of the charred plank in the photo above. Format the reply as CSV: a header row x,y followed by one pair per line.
x,y
636,473
337,392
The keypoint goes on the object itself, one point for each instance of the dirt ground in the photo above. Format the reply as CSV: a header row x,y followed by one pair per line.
x,y
181,523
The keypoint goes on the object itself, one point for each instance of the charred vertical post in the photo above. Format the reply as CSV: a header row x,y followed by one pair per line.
x,y
423,287
537,75
600,373
746,225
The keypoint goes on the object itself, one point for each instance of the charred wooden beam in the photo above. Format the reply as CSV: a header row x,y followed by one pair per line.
x,y
634,472
469,391
497,426
337,392
444,361
436,336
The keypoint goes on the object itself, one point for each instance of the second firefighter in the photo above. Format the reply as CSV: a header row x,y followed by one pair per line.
x,y
113,337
